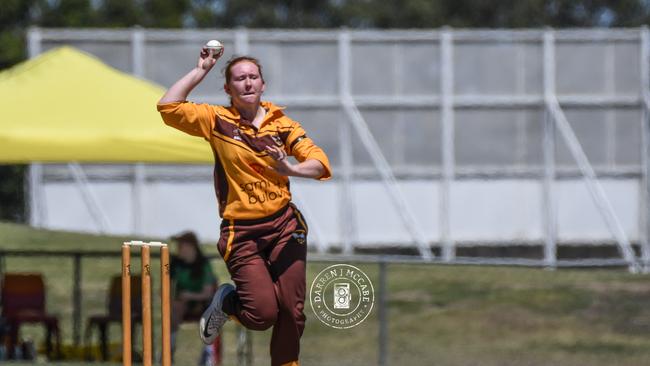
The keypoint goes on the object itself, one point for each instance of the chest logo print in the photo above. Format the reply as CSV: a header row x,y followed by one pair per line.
x,y
277,140
236,134
257,167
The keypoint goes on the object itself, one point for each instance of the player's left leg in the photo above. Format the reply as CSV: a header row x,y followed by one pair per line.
x,y
287,265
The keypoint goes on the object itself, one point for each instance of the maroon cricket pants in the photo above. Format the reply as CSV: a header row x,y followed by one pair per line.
x,y
266,260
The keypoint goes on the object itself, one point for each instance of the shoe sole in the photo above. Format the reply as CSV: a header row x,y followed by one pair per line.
x,y
216,303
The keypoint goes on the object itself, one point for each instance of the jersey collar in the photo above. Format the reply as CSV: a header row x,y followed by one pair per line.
x,y
231,113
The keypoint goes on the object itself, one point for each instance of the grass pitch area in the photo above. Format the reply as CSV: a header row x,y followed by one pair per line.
x,y
442,315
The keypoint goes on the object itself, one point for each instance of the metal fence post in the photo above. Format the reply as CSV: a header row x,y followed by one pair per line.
x,y
346,203
34,182
137,51
447,143
36,197
549,218
644,187
137,190
242,43
34,42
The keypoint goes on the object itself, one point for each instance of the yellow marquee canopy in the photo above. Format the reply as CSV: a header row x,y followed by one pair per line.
x,y
66,105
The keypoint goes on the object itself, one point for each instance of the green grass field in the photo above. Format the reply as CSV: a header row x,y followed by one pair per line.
x,y
442,315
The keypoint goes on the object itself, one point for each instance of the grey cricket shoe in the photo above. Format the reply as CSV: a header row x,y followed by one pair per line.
x,y
213,317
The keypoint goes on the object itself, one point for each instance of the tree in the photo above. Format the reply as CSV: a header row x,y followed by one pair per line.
x,y
15,16
66,13
119,13
167,13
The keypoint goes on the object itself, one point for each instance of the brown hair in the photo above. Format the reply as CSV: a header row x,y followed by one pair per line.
x,y
236,59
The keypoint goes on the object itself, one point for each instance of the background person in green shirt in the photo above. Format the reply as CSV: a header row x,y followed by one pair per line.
x,y
193,281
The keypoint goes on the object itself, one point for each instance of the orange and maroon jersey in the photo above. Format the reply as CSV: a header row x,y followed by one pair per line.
x,y
246,186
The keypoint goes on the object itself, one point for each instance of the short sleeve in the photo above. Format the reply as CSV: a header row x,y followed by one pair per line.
x,y
194,119
302,148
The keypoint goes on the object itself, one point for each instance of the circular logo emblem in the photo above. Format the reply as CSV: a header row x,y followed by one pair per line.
x,y
342,296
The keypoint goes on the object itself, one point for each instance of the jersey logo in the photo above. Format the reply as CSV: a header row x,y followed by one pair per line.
x,y
299,236
277,140
236,134
257,168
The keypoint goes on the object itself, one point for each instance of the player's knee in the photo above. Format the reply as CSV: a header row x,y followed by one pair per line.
x,y
295,308
265,319
262,315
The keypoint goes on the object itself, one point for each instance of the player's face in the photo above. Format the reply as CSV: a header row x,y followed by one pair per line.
x,y
246,85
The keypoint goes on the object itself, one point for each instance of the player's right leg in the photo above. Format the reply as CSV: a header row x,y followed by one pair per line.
x,y
252,301
254,304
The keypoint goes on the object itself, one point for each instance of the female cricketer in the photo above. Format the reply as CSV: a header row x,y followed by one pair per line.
x,y
263,235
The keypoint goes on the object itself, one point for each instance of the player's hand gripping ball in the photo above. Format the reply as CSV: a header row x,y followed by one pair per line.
x,y
215,48
210,53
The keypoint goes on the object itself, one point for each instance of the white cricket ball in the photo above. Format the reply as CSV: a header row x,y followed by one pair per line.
x,y
215,48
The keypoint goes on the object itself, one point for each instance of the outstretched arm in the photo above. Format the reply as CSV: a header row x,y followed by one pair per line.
x,y
182,88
